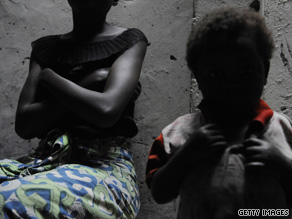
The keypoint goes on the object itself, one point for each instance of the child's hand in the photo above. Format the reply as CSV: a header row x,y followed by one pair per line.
x,y
204,141
262,155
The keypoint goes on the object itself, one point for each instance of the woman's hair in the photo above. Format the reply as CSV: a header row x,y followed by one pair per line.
x,y
228,24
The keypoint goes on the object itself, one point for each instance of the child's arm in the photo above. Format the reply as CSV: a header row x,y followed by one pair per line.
x,y
202,142
166,180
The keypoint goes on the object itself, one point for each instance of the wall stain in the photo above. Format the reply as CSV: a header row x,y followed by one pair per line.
x,y
286,54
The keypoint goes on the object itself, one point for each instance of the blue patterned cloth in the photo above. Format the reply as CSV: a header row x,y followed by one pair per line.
x,y
79,179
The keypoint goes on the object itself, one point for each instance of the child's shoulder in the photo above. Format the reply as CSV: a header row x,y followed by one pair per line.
x,y
281,119
279,131
279,127
177,132
185,120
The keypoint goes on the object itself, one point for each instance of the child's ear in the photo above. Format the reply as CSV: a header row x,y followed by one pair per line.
x,y
267,69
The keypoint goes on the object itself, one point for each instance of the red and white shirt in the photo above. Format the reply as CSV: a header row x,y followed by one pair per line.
x,y
220,185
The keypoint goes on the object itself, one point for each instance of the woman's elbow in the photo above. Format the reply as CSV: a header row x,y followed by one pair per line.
x,y
161,191
158,199
22,132
22,128
108,118
161,197
161,194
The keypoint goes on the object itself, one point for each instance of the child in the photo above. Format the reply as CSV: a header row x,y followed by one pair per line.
x,y
236,152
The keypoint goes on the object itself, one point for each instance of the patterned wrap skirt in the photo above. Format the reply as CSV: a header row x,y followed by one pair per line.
x,y
71,178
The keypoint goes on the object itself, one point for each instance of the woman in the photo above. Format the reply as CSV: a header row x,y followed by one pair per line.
x,y
79,99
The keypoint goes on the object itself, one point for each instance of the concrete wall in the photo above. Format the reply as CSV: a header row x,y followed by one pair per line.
x,y
278,91
165,78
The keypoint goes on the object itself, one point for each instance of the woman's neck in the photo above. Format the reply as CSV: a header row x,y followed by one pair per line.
x,y
88,26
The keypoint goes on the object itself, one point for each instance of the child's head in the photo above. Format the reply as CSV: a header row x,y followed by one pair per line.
x,y
229,51
228,24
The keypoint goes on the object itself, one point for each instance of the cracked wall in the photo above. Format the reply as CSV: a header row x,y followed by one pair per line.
x,y
165,78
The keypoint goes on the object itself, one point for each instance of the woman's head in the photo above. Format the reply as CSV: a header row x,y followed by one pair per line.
x,y
225,26
87,6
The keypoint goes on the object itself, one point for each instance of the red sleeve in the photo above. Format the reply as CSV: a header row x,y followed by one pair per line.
x,y
156,159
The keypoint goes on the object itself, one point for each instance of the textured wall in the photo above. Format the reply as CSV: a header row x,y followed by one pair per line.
x,y
278,91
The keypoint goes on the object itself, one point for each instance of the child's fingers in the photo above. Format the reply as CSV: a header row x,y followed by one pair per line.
x,y
255,166
253,154
255,158
219,145
216,138
213,128
252,142
251,150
